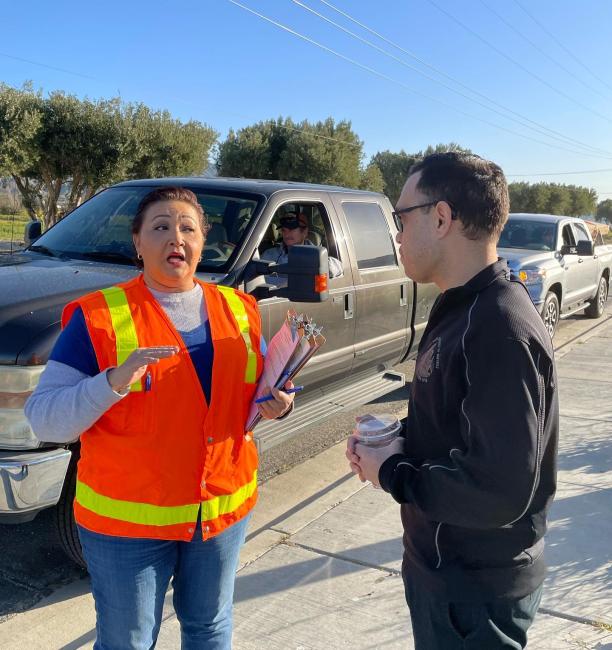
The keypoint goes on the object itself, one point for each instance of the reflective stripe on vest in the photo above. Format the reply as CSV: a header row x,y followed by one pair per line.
x,y
239,312
151,515
222,505
126,339
134,512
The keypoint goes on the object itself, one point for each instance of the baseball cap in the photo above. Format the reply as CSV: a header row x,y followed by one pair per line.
x,y
293,220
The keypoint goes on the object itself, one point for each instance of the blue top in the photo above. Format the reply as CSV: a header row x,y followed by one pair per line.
x,y
74,348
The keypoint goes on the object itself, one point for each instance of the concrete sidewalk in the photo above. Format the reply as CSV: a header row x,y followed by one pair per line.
x,y
321,566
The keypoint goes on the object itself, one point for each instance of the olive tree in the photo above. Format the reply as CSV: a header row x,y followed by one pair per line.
x,y
319,152
63,143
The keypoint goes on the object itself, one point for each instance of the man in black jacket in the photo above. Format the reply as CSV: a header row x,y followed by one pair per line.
x,y
475,471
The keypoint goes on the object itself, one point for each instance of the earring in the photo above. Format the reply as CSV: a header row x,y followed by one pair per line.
x,y
139,256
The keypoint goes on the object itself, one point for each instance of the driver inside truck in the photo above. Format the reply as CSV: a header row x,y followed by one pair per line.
x,y
294,229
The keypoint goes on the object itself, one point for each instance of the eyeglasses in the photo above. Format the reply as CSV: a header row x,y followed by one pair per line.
x,y
397,214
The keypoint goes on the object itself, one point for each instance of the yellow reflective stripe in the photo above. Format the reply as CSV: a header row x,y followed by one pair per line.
x,y
221,505
123,325
134,512
239,311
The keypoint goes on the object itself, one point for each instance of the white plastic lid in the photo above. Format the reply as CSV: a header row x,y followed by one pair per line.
x,y
375,426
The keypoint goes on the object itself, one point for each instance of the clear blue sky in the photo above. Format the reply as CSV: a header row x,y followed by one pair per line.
x,y
213,61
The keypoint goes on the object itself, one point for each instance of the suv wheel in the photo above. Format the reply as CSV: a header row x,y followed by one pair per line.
x,y
550,313
64,513
597,306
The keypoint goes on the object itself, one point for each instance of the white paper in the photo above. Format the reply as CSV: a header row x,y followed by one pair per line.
x,y
279,351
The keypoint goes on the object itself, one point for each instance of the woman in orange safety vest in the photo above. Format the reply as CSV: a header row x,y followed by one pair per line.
x,y
158,374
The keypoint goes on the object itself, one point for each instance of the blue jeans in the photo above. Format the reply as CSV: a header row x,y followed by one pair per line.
x,y
130,577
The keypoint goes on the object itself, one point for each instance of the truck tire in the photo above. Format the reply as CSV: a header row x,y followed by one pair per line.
x,y
66,526
597,305
550,313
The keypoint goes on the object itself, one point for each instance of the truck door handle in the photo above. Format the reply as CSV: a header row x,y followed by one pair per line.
x,y
403,295
348,306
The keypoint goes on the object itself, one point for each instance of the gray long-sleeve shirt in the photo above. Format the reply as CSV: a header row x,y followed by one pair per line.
x,y
67,402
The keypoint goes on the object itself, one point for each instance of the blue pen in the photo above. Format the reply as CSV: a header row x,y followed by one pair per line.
x,y
148,382
269,398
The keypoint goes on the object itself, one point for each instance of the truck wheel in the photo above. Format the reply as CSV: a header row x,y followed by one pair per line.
x,y
66,526
550,313
597,305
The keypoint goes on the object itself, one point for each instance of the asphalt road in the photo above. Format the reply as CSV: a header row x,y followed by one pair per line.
x,y
32,564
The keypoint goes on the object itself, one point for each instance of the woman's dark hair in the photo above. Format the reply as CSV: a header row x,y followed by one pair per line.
x,y
474,187
168,194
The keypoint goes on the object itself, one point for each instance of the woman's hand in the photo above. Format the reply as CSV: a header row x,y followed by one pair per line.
x,y
278,406
135,366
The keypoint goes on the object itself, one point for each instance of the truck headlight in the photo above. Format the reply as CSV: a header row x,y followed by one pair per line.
x,y
16,385
532,276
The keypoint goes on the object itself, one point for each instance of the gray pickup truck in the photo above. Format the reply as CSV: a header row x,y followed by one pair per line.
x,y
564,270
373,316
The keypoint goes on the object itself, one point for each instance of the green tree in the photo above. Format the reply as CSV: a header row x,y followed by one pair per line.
x,y
559,199
321,152
372,179
20,119
395,166
443,148
584,201
552,198
20,122
394,169
158,145
519,196
47,144
604,211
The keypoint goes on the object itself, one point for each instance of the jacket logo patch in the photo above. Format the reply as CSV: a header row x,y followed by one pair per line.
x,y
428,361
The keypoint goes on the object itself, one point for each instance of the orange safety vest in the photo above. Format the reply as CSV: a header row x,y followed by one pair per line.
x,y
158,456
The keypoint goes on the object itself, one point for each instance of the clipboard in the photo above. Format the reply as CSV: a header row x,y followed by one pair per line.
x,y
290,349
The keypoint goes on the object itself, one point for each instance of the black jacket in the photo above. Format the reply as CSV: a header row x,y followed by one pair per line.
x,y
479,470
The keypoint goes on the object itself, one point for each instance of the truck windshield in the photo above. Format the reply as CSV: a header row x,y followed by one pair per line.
x,y
100,229
531,235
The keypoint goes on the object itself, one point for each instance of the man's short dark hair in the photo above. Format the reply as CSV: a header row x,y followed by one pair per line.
x,y
476,189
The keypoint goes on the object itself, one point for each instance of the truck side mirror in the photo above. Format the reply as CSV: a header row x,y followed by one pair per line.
x,y
307,272
585,248
566,249
32,232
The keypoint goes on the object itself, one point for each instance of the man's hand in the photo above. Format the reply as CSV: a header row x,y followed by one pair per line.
x,y
278,406
366,461
135,366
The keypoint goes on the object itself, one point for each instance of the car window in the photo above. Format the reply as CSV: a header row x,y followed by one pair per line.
x,y
372,238
528,234
581,233
320,232
102,226
568,236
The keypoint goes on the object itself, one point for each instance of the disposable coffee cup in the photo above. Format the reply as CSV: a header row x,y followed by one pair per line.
x,y
376,430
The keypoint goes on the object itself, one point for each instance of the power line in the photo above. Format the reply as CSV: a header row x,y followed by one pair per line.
x,y
517,63
541,51
403,85
562,45
582,171
281,126
541,128
49,67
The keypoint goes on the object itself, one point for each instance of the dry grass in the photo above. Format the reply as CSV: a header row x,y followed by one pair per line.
x,y
14,225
